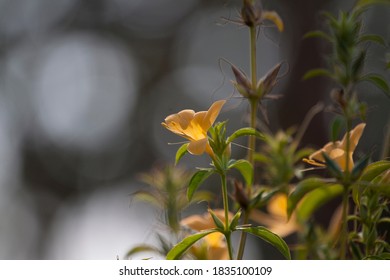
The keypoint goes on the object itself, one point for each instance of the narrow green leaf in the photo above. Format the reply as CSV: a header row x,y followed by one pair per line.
x,y
333,167
246,131
303,188
317,72
373,170
378,81
315,199
217,221
364,3
181,152
373,38
358,64
180,248
372,179
147,197
234,222
318,34
197,179
382,256
269,237
260,157
384,220
359,167
245,169
141,249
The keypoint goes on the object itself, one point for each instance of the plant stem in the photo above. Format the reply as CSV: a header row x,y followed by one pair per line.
x,y
226,208
344,228
252,139
253,58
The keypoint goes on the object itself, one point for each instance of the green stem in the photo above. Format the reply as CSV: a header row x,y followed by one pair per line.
x,y
252,33
226,208
252,139
344,228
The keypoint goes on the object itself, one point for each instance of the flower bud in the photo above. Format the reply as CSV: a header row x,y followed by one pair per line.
x,y
242,83
337,95
251,12
267,83
240,195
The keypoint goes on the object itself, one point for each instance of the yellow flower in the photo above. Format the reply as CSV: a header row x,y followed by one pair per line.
x,y
276,218
337,150
213,246
194,126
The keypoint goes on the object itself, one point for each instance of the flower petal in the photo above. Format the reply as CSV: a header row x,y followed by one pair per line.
x,y
277,206
197,147
185,117
211,115
275,18
354,137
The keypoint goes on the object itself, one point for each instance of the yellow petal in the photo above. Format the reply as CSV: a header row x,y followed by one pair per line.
x,y
354,137
197,222
275,18
278,206
177,123
197,147
212,114
184,117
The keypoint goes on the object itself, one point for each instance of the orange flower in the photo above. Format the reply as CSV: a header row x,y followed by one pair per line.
x,y
214,246
194,126
337,150
276,218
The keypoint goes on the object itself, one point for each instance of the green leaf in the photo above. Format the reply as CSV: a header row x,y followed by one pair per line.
x,y
234,222
246,131
140,249
303,188
372,38
373,170
374,178
359,167
269,237
317,72
358,64
217,221
382,256
245,168
364,3
318,34
378,81
316,199
197,179
180,248
333,167
181,152
147,197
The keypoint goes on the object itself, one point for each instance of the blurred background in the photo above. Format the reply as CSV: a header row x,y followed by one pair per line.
x,y
85,84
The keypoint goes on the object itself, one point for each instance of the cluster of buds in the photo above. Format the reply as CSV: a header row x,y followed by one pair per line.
x,y
264,86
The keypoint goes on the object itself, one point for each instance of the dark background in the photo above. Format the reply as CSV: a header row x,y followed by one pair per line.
x,y
84,86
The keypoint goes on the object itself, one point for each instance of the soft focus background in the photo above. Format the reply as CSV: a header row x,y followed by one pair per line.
x,y
85,84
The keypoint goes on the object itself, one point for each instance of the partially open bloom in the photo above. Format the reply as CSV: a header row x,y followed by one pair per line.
x,y
194,126
337,151
276,219
213,246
